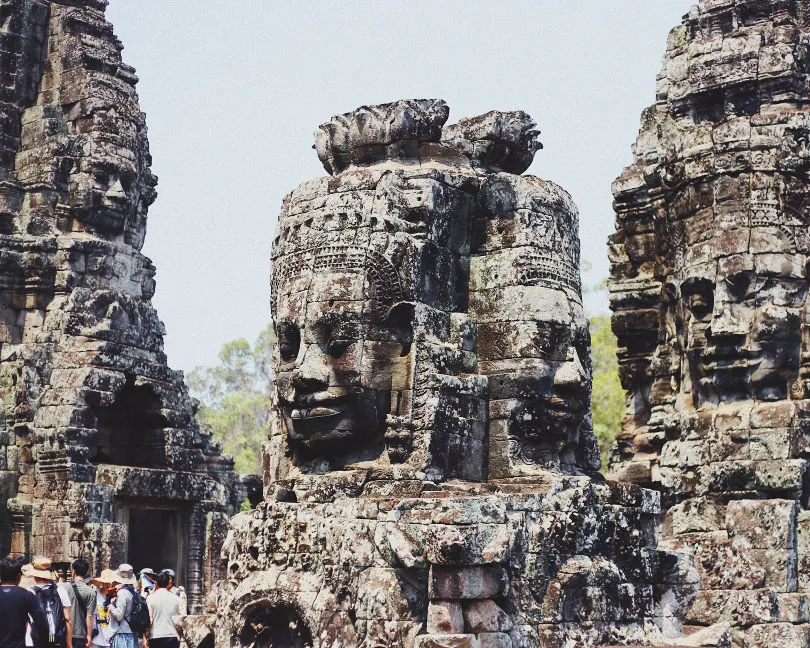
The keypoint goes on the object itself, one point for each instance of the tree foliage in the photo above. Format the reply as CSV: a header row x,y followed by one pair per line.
x,y
235,398
608,401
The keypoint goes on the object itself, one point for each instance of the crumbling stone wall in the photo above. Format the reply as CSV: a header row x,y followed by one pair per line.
x,y
709,291
431,474
93,420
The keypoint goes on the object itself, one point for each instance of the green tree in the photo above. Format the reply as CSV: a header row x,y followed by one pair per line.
x,y
608,401
234,398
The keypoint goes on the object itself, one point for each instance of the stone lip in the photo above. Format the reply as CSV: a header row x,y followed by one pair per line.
x,y
370,134
496,141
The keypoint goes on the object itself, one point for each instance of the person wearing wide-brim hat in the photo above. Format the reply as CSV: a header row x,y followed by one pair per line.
x,y
121,608
125,575
105,582
39,578
40,567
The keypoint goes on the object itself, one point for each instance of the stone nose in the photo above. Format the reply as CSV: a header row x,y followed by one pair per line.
x,y
313,373
116,193
728,319
571,374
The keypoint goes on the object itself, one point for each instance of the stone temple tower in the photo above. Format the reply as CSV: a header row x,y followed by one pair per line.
x,y
431,472
97,434
709,287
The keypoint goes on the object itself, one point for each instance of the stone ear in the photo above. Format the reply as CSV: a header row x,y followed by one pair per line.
x,y
400,321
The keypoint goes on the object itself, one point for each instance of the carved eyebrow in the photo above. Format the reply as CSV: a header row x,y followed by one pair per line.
x,y
346,325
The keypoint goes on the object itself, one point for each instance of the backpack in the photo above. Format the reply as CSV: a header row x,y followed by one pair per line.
x,y
139,620
48,597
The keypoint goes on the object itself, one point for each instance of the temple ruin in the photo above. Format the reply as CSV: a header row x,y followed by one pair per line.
x,y
431,474
97,434
709,292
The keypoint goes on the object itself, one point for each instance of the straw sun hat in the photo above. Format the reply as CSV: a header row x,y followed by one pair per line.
x,y
107,577
40,567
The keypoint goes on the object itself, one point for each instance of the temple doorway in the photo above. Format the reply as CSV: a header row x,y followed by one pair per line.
x,y
156,538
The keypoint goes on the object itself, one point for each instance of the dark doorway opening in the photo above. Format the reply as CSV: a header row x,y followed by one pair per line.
x,y
274,627
156,539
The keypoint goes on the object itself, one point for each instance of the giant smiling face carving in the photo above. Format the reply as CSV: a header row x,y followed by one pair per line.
x,y
742,326
335,355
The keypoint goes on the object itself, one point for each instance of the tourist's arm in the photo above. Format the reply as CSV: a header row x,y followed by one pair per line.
x,y
117,608
64,597
91,620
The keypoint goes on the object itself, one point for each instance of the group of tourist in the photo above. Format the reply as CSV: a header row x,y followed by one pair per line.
x,y
115,609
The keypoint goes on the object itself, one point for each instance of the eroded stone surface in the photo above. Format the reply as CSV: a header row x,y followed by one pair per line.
x,y
709,292
94,424
431,472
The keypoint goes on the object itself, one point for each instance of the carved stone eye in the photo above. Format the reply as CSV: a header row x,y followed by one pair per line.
x,y
336,348
738,285
699,297
289,341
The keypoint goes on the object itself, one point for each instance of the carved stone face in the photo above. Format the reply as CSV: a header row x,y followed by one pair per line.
x,y
556,389
334,362
106,188
742,326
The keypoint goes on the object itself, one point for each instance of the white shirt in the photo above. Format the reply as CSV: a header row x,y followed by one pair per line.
x,y
163,605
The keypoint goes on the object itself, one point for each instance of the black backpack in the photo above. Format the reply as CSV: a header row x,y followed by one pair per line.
x,y
48,596
139,620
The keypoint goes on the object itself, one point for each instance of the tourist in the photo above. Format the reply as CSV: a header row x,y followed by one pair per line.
x,y
54,601
105,591
82,604
176,589
17,606
164,609
120,608
147,578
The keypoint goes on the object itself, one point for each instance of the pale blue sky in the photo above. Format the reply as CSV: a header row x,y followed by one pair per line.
x,y
233,90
